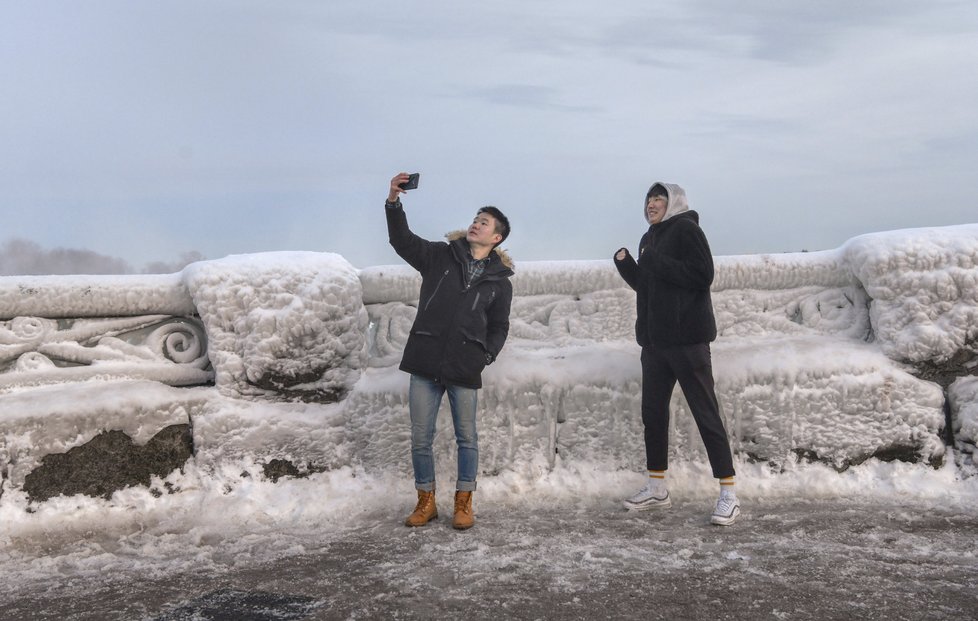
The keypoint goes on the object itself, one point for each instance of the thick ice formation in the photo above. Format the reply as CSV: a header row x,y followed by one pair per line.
x,y
924,289
823,398
282,324
963,398
809,362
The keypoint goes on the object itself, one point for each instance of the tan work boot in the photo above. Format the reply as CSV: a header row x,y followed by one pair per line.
x,y
463,511
425,511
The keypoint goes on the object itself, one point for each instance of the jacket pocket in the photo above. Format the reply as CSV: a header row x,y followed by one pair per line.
x,y
471,359
475,336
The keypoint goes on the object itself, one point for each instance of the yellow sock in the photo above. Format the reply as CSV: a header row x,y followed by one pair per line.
x,y
727,485
658,478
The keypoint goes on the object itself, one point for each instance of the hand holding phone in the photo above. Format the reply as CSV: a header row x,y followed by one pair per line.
x,y
411,183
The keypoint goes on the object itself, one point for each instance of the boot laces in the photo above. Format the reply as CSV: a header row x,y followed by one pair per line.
x,y
424,502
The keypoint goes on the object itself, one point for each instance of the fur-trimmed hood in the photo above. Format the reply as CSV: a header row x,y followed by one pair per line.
x,y
503,255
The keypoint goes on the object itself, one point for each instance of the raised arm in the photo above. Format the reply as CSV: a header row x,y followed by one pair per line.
x,y
413,249
627,267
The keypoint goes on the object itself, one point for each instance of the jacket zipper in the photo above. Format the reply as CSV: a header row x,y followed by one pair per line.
x,y
476,303
438,286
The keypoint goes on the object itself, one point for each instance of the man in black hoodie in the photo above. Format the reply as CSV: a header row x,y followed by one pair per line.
x,y
675,326
461,325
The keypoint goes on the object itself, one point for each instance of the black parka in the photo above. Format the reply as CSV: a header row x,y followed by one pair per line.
x,y
459,328
672,279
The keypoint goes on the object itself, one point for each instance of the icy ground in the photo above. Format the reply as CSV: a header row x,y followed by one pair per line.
x,y
880,541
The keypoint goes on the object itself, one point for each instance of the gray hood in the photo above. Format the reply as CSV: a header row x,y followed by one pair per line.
x,y
677,200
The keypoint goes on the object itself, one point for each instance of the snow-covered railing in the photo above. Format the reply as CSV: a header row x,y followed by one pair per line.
x,y
400,283
812,357
56,297
56,329
130,295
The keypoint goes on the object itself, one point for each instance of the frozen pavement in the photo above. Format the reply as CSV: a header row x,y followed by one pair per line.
x,y
836,558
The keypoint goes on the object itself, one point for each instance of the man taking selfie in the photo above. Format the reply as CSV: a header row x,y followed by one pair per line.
x,y
461,325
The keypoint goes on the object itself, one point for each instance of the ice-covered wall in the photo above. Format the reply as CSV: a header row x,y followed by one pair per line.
x,y
801,368
812,360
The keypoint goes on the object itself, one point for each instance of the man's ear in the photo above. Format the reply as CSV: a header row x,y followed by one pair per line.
x,y
496,238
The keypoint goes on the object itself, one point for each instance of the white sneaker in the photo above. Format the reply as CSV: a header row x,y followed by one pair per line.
x,y
652,496
726,511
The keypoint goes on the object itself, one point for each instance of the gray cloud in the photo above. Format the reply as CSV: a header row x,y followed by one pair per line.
x,y
528,96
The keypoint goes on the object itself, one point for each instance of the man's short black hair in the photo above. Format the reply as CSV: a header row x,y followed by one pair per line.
x,y
502,222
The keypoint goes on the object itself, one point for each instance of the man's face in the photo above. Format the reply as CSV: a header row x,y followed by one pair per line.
x,y
483,231
655,209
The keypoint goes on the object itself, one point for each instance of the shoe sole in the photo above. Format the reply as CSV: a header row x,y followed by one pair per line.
x,y
660,504
432,519
720,520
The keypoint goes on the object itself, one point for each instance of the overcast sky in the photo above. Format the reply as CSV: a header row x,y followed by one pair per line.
x,y
148,130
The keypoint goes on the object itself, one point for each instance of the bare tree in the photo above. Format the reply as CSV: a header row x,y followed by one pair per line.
x,y
163,267
22,257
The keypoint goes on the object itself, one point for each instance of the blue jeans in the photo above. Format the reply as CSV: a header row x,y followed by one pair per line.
x,y
424,398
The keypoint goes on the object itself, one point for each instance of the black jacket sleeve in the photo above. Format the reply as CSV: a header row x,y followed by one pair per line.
x,y
628,269
413,249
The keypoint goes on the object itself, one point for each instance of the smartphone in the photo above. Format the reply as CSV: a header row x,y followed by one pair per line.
x,y
411,183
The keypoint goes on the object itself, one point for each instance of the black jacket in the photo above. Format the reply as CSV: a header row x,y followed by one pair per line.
x,y
459,329
672,281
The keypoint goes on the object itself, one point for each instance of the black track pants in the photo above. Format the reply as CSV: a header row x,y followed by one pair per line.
x,y
691,366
